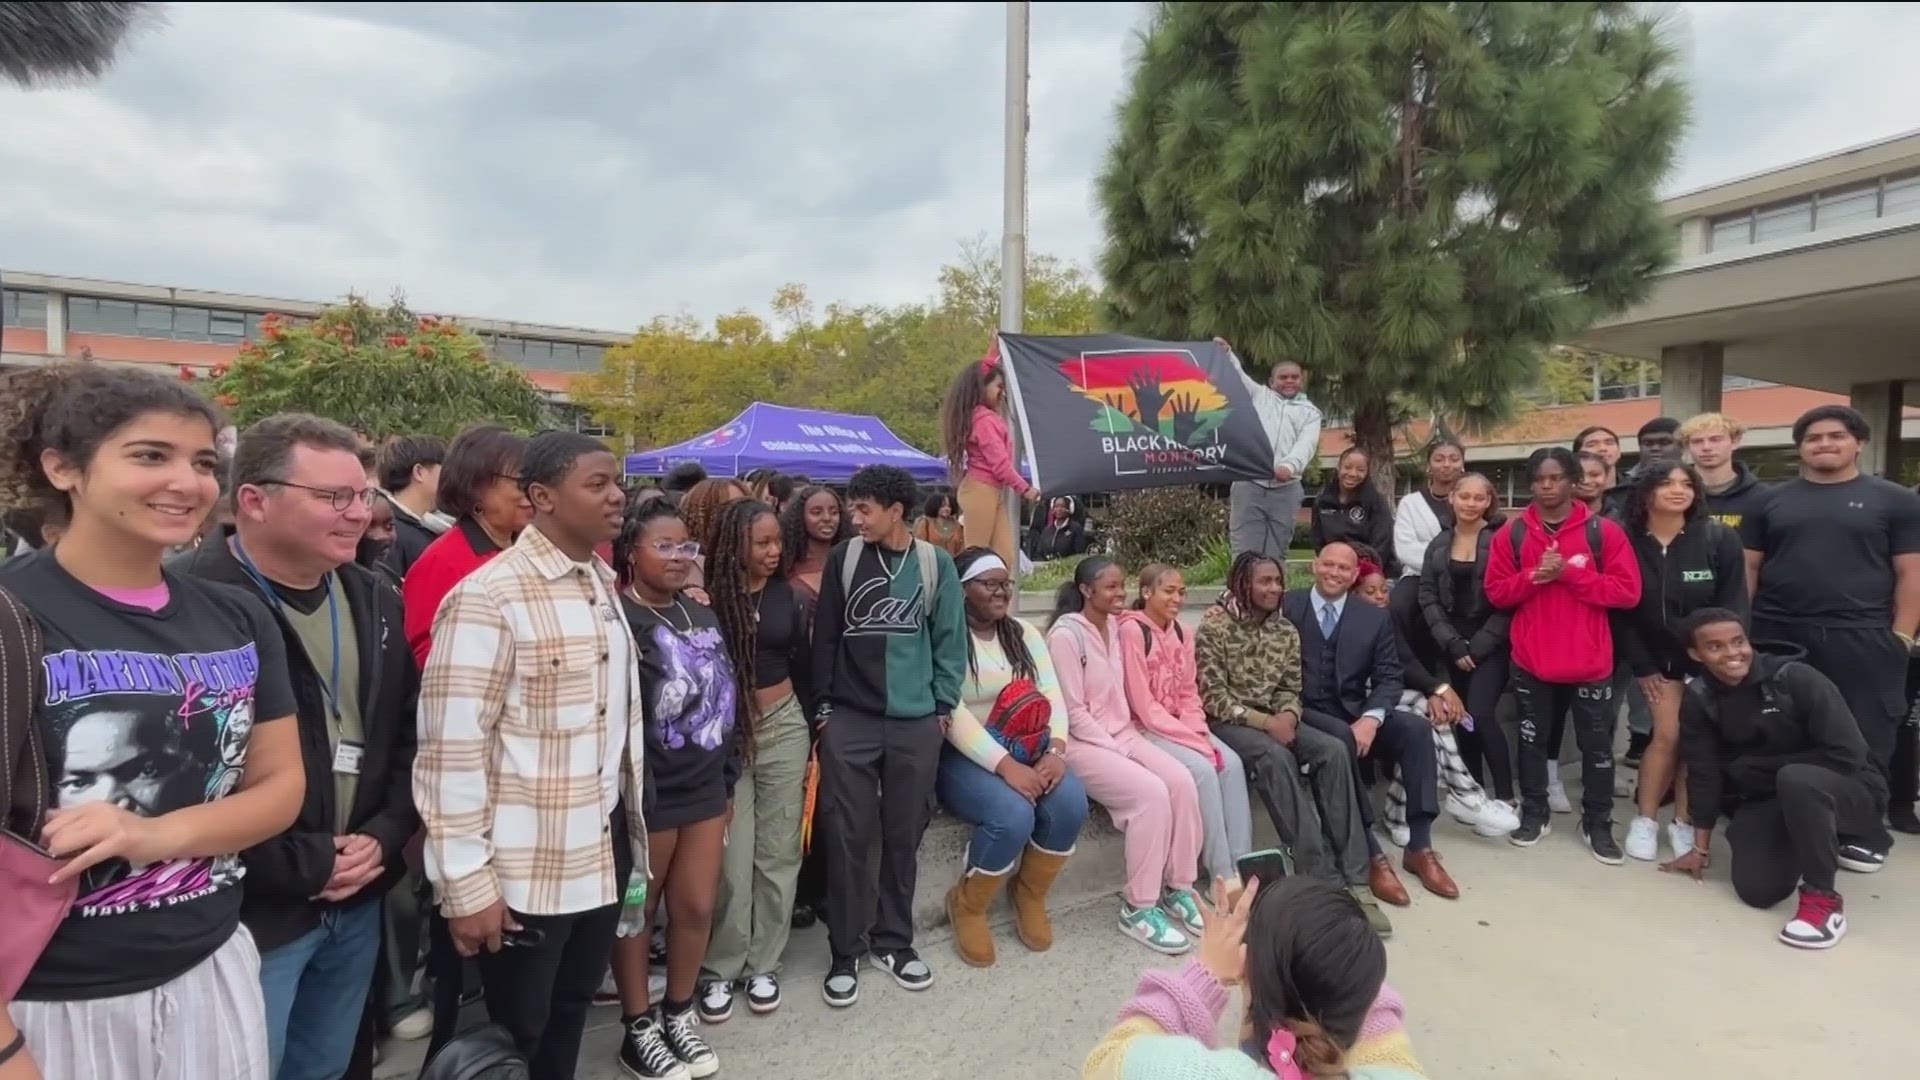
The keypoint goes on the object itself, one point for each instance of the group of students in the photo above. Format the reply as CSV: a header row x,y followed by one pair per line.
x,y
1786,713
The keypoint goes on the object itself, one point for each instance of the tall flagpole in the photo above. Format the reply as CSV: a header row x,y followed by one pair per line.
x,y
1013,227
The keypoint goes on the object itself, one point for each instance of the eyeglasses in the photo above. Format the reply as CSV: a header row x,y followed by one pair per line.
x,y
341,498
668,550
515,477
991,587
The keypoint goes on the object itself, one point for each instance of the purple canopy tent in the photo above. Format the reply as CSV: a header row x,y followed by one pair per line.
x,y
826,447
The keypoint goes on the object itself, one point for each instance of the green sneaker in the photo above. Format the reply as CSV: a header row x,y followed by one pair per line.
x,y
1151,927
1185,908
1377,920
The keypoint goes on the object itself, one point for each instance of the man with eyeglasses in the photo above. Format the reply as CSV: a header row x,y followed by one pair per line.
x,y
301,502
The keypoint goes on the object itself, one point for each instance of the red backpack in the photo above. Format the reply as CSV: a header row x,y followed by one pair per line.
x,y
1021,721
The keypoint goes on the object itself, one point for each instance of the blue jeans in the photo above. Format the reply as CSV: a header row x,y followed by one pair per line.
x,y
1003,822
316,988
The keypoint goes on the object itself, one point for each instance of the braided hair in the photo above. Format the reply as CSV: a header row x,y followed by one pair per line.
x,y
739,612
1009,631
700,506
1237,597
794,538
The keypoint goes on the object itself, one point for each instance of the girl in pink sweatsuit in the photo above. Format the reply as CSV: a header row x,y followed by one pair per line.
x,y
1163,694
1150,795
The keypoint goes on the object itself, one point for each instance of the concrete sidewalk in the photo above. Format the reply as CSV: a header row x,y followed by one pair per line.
x,y
1549,966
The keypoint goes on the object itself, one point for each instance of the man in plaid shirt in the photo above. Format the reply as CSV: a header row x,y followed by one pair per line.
x,y
529,771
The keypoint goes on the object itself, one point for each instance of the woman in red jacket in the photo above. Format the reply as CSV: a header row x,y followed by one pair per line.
x,y
1560,570
480,490
979,450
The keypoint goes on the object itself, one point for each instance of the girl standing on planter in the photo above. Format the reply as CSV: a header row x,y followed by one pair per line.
x,y
979,450
1351,508
1164,696
1004,768
1150,795
766,634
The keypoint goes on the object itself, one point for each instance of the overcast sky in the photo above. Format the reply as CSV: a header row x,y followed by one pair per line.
x,y
600,165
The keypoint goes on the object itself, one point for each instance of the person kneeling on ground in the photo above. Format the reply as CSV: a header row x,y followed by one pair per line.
x,y
1150,795
1770,738
1429,696
1317,1000
1004,768
1247,661
1350,684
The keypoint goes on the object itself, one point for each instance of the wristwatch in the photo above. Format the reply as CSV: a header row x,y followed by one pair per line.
x,y
1057,750
1239,713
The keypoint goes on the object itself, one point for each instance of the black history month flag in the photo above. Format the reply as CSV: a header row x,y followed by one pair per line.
x,y
1113,413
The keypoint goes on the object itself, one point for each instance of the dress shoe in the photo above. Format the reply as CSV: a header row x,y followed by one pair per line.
x,y
1425,864
1385,884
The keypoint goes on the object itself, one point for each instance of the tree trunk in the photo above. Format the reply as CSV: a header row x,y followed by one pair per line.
x,y
1373,432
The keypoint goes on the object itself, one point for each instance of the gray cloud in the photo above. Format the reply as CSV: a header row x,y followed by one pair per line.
x,y
598,165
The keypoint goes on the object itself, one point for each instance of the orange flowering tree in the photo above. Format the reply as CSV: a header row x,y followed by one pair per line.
x,y
381,371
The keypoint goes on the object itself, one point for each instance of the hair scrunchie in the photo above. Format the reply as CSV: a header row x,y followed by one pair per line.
x,y
1280,1049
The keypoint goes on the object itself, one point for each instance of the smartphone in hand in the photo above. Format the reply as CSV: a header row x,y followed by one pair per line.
x,y
1268,866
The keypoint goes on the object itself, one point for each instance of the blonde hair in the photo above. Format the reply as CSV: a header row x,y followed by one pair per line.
x,y
1710,422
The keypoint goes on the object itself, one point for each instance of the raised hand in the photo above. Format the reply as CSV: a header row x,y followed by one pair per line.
x,y
1186,417
1147,397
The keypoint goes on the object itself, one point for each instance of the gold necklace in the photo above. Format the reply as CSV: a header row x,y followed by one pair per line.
x,y
660,612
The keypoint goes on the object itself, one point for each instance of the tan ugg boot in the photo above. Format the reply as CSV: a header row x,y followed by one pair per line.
x,y
967,905
1030,887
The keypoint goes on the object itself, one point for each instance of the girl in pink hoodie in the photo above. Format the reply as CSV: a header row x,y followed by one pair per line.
x,y
1163,695
1150,795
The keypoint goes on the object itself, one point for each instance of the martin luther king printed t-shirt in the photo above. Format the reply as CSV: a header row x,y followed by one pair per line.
x,y
152,711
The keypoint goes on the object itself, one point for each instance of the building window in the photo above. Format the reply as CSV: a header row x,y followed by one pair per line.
x,y
1789,220
1836,208
25,309
578,419
1731,232
1901,195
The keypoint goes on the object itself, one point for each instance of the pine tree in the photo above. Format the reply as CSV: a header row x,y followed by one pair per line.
x,y
1411,199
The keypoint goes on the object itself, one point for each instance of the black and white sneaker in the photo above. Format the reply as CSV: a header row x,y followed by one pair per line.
x,y
906,967
763,994
716,1002
842,987
1530,831
644,1053
1861,859
1598,836
688,1046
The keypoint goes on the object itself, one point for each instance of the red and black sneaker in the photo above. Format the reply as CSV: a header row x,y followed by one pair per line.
x,y
1819,924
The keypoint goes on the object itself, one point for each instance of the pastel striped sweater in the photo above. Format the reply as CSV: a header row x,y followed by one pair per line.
x,y
990,674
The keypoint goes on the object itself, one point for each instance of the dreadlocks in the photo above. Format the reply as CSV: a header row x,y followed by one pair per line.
x,y
1009,631
1237,598
738,609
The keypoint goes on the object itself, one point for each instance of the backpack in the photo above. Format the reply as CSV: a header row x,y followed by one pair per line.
x,y
486,1052
1773,692
1518,527
1146,639
924,553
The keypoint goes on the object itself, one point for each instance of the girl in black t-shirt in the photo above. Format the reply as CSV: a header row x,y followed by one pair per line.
x,y
692,699
766,637
167,727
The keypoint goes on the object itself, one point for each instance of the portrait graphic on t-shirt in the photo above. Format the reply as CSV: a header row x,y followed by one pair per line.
x,y
150,733
694,698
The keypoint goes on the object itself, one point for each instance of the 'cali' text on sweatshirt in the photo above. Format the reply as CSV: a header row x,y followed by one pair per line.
x,y
891,645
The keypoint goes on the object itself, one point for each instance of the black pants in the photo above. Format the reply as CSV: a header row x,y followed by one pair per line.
x,y
454,979
1867,663
1404,741
1903,779
875,772
1485,749
1794,837
541,993
1540,705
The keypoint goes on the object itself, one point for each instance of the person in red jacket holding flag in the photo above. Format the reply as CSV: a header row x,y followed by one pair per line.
x,y
1559,569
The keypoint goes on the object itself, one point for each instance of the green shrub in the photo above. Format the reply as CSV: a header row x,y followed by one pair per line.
x,y
1213,566
1172,525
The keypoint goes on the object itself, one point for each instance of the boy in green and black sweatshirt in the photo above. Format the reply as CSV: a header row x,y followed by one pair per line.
x,y
889,654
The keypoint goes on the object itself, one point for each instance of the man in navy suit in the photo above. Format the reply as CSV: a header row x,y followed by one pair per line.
x,y
1350,681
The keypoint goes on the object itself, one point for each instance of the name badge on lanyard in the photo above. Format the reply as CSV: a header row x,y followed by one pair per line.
x,y
346,758
327,685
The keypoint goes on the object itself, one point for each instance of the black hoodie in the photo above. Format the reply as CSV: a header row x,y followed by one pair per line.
x,y
1731,507
287,871
1735,739
1367,520
1703,567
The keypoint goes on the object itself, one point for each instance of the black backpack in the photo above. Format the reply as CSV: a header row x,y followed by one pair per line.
x,y
1518,527
1146,636
486,1052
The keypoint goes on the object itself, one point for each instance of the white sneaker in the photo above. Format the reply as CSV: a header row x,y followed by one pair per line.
x,y
1487,817
1557,793
1401,835
1626,783
1680,837
1643,839
417,1024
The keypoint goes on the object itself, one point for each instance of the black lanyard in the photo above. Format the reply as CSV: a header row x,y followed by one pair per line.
x,y
333,621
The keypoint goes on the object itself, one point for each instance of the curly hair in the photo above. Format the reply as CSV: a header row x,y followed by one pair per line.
x,y
1008,630
1649,480
967,392
794,538
737,609
71,408
640,514
700,506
